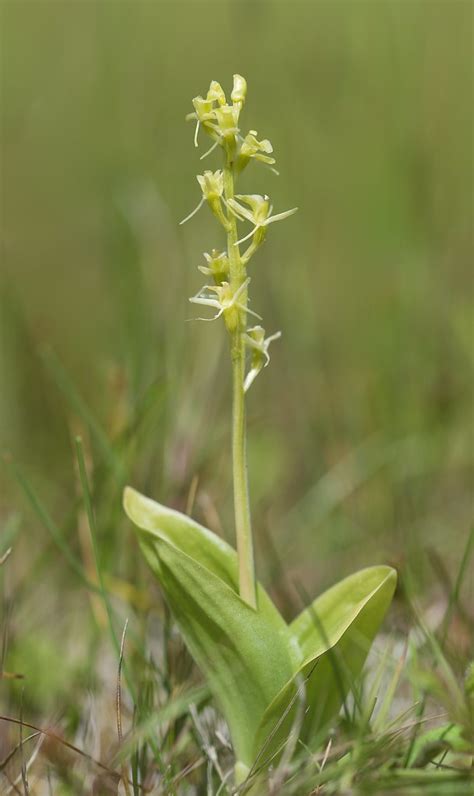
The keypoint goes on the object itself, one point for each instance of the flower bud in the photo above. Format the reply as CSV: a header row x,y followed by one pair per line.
x,y
212,184
216,93
227,118
239,91
217,266
203,109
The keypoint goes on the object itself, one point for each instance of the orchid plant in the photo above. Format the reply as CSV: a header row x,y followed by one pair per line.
x,y
274,682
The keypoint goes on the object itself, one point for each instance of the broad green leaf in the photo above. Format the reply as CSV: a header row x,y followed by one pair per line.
x,y
334,635
242,652
199,543
253,662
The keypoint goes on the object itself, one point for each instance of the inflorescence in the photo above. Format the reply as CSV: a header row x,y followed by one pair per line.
x,y
228,269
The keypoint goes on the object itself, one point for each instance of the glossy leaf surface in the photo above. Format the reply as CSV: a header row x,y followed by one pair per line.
x,y
334,635
253,661
242,652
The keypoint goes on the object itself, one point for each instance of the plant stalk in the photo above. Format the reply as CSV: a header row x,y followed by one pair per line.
x,y
243,524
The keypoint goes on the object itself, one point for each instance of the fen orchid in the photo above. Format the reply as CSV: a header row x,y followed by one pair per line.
x,y
273,680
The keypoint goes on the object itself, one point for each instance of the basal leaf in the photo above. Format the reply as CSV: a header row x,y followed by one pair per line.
x,y
253,662
199,543
323,622
242,652
334,635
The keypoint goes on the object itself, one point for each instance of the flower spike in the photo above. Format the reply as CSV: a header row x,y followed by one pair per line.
x,y
227,288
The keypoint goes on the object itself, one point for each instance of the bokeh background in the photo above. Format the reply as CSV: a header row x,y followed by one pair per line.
x,y
361,446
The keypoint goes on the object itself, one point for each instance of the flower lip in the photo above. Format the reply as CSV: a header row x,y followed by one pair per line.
x,y
225,299
259,214
251,147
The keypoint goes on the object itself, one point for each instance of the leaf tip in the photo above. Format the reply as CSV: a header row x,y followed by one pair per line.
x,y
392,576
129,502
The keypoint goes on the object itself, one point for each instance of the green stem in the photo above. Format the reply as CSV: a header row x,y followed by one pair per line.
x,y
243,525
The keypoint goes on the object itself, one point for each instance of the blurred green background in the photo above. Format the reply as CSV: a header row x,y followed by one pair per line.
x,y
361,445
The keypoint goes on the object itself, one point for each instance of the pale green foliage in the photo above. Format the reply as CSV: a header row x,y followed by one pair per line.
x,y
242,652
333,636
252,659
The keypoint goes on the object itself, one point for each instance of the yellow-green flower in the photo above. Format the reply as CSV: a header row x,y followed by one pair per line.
x,y
259,344
217,266
212,187
258,212
251,147
239,90
217,118
226,302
